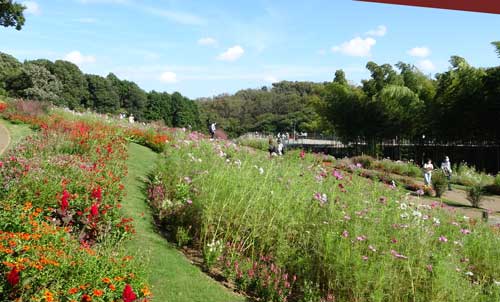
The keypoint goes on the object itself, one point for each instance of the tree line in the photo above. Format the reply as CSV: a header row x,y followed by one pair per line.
x,y
397,101
63,84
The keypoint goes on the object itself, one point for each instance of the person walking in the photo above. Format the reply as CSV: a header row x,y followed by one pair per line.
x,y
428,167
446,167
213,129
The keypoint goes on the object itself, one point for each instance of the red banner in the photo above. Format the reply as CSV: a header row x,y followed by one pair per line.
x,y
483,6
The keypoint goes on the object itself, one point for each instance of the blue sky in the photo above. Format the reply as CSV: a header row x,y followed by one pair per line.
x,y
204,48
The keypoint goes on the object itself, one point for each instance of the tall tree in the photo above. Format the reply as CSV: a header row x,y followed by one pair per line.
x,y
11,14
35,82
9,67
132,98
102,97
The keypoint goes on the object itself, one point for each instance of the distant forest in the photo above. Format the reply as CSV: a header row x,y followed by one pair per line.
x,y
63,84
397,101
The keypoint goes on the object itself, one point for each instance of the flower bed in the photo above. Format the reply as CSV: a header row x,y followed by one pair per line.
x,y
60,193
291,229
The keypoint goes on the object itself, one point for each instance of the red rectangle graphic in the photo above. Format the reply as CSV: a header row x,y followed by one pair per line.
x,y
483,6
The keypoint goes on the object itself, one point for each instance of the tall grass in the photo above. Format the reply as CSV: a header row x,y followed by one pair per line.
x,y
340,236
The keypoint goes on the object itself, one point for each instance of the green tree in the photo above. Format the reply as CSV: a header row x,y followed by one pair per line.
x,y
132,98
75,88
11,14
159,107
35,82
9,67
102,97
496,44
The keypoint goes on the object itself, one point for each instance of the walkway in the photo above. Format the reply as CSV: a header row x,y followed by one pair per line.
x,y
172,276
4,138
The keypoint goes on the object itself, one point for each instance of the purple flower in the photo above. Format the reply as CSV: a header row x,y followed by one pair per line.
x,y
189,201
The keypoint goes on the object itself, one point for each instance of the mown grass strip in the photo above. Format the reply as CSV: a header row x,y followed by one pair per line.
x,y
171,275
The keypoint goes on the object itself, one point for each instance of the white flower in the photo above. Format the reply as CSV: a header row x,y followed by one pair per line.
x,y
404,215
436,220
417,214
469,273
403,206
261,170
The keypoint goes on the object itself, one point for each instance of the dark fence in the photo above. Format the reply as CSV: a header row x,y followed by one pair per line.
x,y
485,156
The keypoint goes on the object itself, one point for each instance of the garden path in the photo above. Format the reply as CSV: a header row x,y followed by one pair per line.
x,y
4,138
173,277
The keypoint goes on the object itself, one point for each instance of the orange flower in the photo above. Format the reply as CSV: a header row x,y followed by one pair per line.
x,y
112,287
106,280
49,297
146,292
72,291
98,292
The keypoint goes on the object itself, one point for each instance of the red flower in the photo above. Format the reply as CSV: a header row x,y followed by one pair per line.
x,y
64,200
128,294
13,277
86,298
94,210
97,193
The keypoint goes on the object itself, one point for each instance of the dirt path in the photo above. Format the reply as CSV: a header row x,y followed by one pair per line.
x,y
4,138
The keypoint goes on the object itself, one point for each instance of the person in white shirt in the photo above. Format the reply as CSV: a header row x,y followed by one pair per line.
x,y
428,167
446,167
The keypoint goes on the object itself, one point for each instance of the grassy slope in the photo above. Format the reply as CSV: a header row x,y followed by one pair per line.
x,y
172,276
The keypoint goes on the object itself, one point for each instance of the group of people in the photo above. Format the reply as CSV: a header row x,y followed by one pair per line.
x,y
276,149
445,167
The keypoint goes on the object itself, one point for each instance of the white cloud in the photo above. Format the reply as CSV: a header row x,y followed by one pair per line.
x,y
208,41
77,58
426,65
421,52
357,47
380,31
271,79
32,8
232,54
168,77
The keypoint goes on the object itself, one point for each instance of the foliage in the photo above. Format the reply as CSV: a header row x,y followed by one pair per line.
x,y
283,108
11,14
60,193
35,82
366,161
439,182
336,235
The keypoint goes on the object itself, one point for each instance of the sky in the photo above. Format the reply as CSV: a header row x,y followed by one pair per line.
x,y
205,48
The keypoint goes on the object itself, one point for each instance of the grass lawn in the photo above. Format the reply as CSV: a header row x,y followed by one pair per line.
x,y
172,276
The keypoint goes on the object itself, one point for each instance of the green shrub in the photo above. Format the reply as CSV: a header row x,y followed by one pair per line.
x,y
365,160
439,183
476,190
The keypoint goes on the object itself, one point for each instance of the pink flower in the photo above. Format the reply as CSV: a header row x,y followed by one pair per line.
x,y
361,238
371,248
465,231
337,175
398,255
429,267
189,201
302,154
364,258
443,239
345,234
